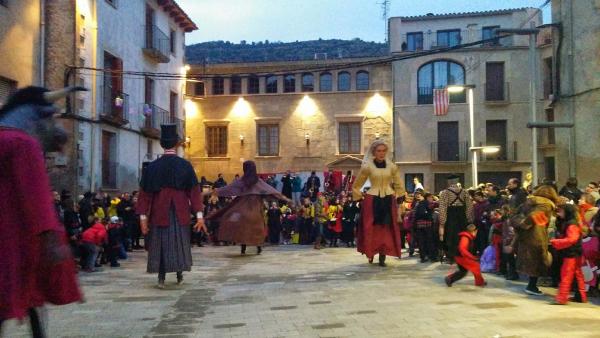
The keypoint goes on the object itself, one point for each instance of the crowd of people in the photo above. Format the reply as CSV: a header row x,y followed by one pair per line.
x,y
102,229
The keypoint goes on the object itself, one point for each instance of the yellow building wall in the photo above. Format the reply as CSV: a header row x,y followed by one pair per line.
x,y
315,114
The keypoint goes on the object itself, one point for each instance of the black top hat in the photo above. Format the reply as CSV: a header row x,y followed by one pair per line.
x,y
168,136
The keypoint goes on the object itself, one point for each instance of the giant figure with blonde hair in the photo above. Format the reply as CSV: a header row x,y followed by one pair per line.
x,y
379,232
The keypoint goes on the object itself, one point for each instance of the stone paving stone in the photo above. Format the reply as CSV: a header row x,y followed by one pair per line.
x,y
293,291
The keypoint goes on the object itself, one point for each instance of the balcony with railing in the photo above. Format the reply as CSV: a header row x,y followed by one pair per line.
x,y
508,152
155,116
158,44
496,92
425,96
115,107
449,151
429,40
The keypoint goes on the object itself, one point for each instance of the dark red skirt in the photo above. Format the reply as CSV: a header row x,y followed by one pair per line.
x,y
376,238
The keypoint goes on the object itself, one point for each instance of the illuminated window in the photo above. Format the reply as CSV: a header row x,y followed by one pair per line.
x,y
216,141
349,137
343,81
268,140
362,80
325,82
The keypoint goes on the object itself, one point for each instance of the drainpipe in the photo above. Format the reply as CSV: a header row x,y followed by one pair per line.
x,y
42,43
93,94
571,69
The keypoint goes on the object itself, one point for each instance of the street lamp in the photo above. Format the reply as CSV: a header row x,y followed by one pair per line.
x,y
460,89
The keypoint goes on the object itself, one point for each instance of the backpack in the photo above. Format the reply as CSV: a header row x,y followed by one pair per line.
x,y
488,259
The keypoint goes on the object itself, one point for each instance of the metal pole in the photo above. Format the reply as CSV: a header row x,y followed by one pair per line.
x,y
472,131
533,106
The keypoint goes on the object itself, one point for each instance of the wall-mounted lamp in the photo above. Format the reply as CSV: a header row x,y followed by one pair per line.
x,y
377,136
242,139
307,138
118,101
188,141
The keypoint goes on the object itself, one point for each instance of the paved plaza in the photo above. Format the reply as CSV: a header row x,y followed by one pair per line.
x,y
295,291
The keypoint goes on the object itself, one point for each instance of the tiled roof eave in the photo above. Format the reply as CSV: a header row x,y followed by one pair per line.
x,y
178,15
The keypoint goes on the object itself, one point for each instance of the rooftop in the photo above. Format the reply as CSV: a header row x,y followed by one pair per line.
x,y
431,16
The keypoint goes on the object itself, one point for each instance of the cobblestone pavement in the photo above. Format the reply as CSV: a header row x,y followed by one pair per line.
x,y
294,291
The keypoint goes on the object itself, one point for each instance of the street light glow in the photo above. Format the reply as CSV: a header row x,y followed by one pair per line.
x,y
377,106
307,107
455,89
490,150
241,108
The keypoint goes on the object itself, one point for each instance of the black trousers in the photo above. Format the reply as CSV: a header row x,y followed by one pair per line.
x,y
426,240
458,274
508,264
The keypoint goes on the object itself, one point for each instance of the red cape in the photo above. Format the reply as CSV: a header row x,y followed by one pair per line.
x,y
35,264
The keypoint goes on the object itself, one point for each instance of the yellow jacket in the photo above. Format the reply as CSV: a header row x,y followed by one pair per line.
x,y
384,181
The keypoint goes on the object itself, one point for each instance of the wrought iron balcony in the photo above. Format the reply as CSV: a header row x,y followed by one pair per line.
x,y
115,107
158,44
425,96
155,116
508,152
449,151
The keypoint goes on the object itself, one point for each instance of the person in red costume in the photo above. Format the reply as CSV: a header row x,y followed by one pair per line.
x,y
569,247
465,259
36,266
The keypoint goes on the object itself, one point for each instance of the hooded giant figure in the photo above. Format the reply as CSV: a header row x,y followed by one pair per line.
x,y
169,194
36,266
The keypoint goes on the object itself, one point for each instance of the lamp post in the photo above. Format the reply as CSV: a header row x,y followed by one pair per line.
x,y
532,33
460,89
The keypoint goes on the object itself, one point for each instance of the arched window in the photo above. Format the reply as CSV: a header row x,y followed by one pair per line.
x,y
343,81
289,83
325,82
437,75
271,84
253,84
308,82
362,80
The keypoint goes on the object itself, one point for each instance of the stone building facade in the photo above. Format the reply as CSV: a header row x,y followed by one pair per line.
x,y
300,116
115,126
429,146
21,45
571,70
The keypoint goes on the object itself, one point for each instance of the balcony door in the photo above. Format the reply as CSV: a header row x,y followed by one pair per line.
x,y
113,84
448,148
494,81
109,162
149,26
495,135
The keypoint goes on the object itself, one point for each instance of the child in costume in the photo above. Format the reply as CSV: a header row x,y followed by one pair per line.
x,y
569,247
465,259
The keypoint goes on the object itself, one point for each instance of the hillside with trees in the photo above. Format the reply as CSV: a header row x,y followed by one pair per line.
x,y
214,52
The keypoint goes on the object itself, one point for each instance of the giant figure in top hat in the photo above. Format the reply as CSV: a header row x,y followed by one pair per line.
x,y
169,194
36,264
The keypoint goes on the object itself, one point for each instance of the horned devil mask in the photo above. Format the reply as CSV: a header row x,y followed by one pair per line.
x,y
32,110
